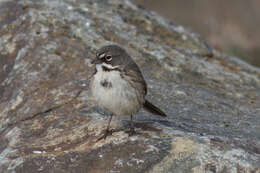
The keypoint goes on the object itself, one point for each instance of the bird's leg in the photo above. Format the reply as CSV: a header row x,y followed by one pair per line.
x,y
107,132
109,121
132,128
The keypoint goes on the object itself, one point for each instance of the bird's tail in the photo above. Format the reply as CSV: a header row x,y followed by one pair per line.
x,y
153,109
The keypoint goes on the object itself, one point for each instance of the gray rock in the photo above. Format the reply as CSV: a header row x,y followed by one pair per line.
x,y
48,122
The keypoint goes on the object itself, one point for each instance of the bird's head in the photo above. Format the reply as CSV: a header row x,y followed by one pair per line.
x,y
111,55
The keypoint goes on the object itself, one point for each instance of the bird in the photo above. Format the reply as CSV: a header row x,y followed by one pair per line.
x,y
118,86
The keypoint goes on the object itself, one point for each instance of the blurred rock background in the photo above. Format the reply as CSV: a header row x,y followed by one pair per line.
x,y
230,26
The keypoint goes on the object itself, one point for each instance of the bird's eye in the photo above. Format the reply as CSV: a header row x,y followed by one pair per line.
x,y
108,58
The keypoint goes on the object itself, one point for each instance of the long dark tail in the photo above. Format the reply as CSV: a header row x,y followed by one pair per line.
x,y
153,109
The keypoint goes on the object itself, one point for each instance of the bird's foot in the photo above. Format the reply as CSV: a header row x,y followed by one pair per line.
x,y
106,133
131,132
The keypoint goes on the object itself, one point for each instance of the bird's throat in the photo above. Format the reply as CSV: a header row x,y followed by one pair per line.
x,y
109,68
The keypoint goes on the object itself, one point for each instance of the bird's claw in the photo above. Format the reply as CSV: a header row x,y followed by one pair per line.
x,y
131,132
106,133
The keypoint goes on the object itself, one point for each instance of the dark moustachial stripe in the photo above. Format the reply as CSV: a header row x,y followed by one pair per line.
x,y
95,72
106,84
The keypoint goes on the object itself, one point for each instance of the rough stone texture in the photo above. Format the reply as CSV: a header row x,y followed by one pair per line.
x,y
48,122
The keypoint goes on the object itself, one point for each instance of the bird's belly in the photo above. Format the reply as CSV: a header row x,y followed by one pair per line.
x,y
115,94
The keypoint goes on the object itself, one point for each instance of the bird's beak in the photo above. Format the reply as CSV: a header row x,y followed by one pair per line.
x,y
96,61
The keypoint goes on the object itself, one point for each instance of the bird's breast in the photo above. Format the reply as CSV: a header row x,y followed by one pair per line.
x,y
112,92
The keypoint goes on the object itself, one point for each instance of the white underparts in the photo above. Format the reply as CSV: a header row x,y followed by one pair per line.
x,y
118,97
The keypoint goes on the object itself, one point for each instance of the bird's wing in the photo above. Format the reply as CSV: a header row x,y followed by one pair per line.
x,y
135,77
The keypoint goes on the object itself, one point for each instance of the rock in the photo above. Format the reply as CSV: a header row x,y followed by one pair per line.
x,y
49,123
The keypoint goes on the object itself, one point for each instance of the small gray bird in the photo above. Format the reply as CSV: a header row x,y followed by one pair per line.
x,y
118,85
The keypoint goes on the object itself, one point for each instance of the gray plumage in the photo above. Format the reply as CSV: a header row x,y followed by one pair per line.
x,y
118,84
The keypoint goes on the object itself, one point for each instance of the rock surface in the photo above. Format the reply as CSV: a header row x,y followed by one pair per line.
x,y
48,122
